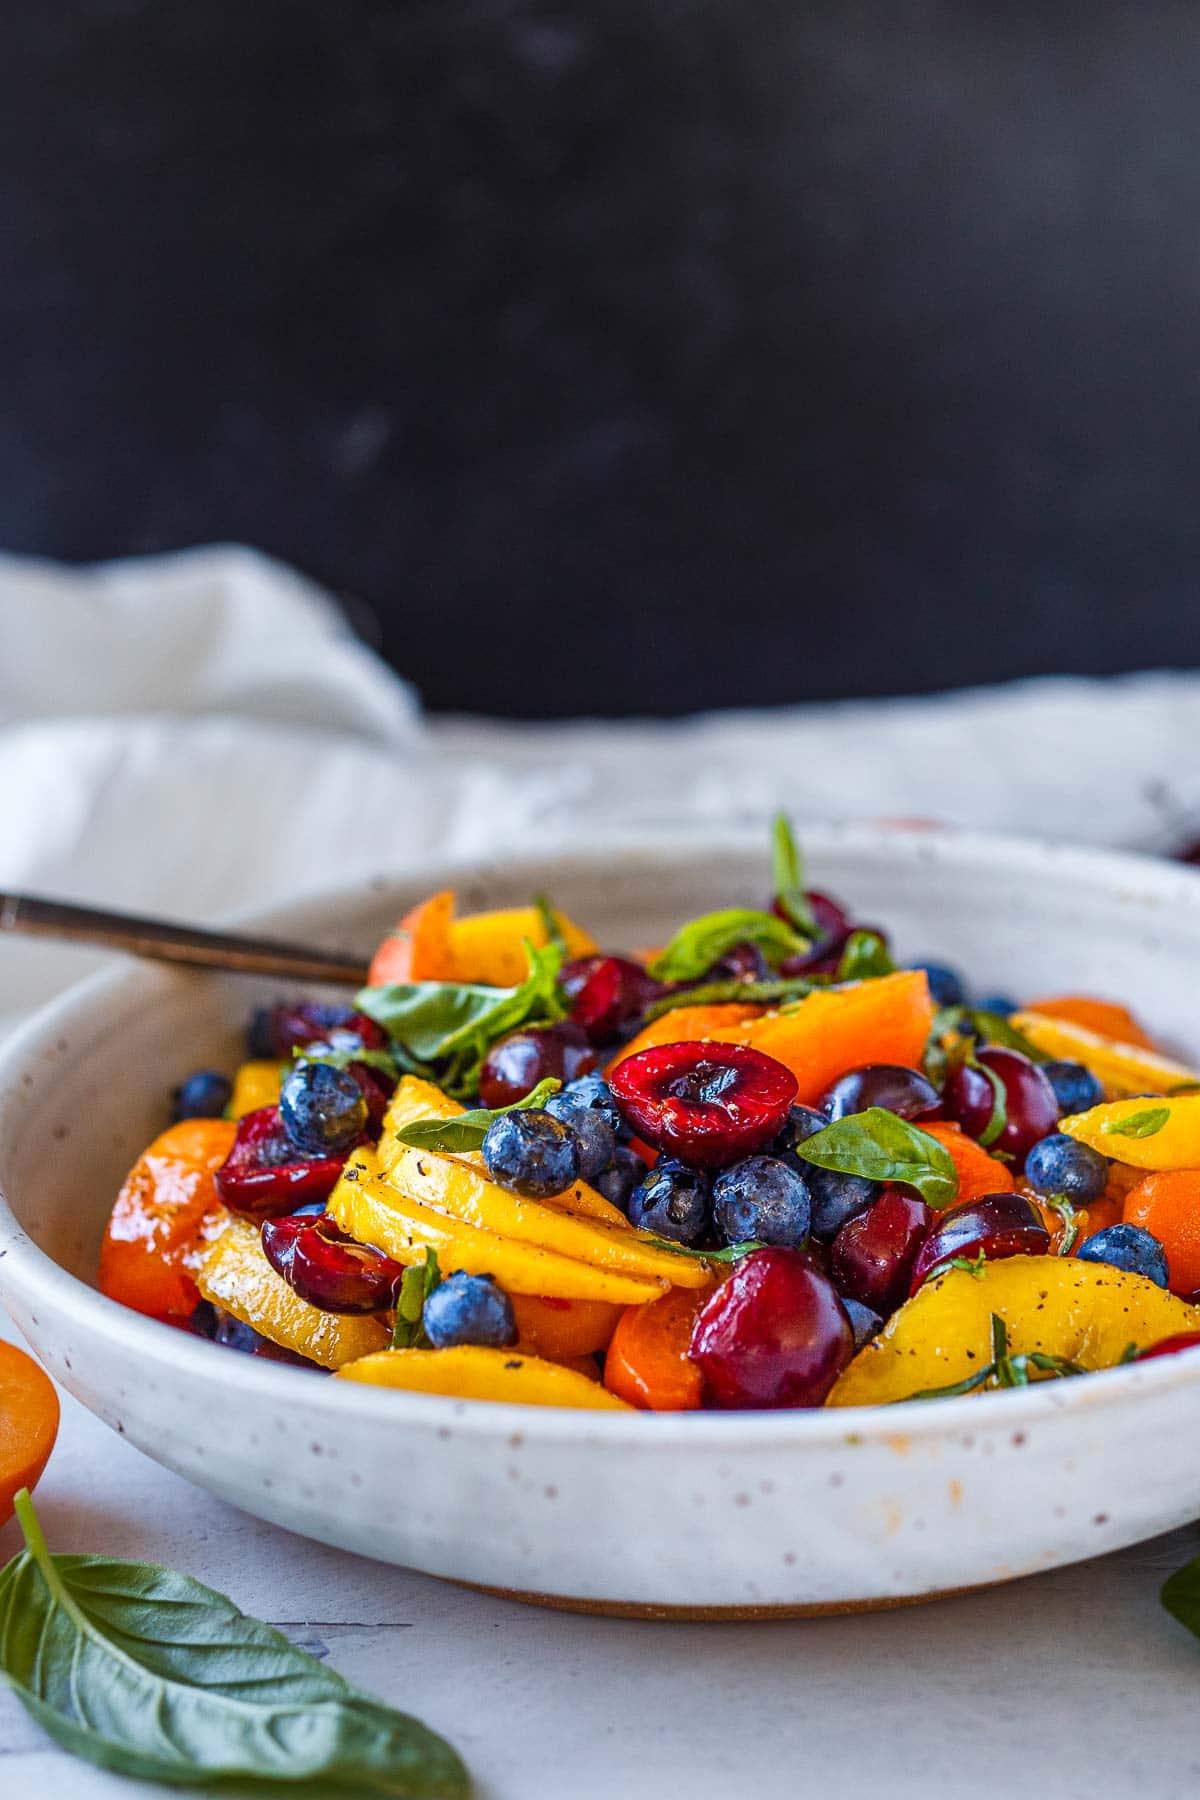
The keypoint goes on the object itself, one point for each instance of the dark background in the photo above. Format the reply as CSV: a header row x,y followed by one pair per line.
x,y
630,355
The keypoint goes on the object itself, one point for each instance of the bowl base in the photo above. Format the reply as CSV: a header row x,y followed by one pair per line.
x,y
638,1609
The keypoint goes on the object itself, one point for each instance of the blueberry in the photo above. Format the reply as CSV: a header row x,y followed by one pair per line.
x,y
1127,1247
469,1309
863,1322
531,1153
1059,1165
1075,1088
835,1198
764,1198
597,1139
672,1202
591,1093
802,1122
322,1109
997,1003
946,986
204,1095
622,1175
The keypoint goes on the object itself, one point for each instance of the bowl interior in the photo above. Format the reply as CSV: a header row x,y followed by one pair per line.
x,y
87,1084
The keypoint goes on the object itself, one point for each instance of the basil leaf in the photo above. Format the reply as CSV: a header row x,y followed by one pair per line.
x,y
1062,1206
444,1029
884,1147
999,1114
694,949
550,924
787,866
1180,1594
466,1131
417,1283
970,1265
730,1254
145,1671
1139,1124
994,1028
714,993
383,1060
865,958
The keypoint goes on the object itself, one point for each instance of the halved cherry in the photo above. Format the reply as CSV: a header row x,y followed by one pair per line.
x,y
706,1103
998,1224
294,1024
328,1269
263,1177
608,995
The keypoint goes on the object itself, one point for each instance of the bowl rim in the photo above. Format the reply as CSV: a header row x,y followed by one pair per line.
x,y
28,1270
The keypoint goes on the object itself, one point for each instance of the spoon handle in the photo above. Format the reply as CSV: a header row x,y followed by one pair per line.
x,y
162,941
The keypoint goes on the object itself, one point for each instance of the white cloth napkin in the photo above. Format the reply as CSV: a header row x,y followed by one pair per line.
x,y
190,734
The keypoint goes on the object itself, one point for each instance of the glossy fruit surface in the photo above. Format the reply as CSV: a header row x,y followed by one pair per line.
x,y
977,1172
1075,1087
673,1201
623,1175
1171,1346
591,1093
835,1198
763,1198
166,1210
864,1321
774,1334
1030,1103
647,1364
802,1122
1059,1165
469,1309
1128,1247
515,1064
265,1176
328,1269
531,1153
594,1135
322,1109
204,1095
905,1092
608,995
705,1103
275,1031
1167,1204
833,928
872,1256
998,1224
232,1333
946,985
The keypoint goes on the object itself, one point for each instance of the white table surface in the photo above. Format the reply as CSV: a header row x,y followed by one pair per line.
x,y
1074,1685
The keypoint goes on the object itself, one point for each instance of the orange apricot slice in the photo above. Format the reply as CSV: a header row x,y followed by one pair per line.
x,y
28,1423
165,1214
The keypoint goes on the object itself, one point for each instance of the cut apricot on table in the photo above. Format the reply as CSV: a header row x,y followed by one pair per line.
x,y
1086,1312
1167,1204
1107,1018
820,1037
648,1363
165,1213
470,1372
28,1423
1122,1068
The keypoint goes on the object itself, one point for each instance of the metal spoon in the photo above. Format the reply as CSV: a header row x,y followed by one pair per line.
x,y
162,941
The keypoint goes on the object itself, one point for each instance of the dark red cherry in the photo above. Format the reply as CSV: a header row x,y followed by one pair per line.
x,y
293,1024
515,1064
608,995
1029,1100
328,1269
895,1088
376,1091
773,1334
263,1176
708,1104
998,1224
872,1256
834,926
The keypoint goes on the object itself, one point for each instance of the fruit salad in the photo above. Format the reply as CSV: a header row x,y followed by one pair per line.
x,y
757,1166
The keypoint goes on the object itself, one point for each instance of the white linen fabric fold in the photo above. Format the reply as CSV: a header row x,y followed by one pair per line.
x,y
191,734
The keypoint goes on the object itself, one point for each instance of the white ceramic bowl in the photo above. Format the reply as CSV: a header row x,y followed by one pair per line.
x,y
705,1512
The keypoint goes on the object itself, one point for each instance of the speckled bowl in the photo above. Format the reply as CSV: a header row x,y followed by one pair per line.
x,y
706,1513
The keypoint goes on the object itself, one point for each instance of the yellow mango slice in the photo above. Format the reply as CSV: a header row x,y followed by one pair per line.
x,y
236,1276
1115,1129
374,1212
255,1084
473,1373
1084,1311
1122,1068
415,1099
489,947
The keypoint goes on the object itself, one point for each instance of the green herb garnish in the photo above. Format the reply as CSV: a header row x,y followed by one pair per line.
x,y
970,1265
466,1131
1062,1206
884,1147
1004,1370
702,942
998,1118
865,958
417,1283
147,1672
550,924
716,993
787,867
1139,1124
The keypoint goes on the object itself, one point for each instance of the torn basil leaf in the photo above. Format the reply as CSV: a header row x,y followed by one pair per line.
x,y
694,949
787,867
466,1131
883,1147
1139,1124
